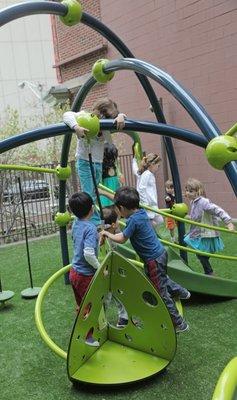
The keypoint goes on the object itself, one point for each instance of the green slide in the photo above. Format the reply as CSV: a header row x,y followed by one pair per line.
x,y
193,281
196,282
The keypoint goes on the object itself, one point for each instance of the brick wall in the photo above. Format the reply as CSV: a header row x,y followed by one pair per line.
x,y
195,42
77,48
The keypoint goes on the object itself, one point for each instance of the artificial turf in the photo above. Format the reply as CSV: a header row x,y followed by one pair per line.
x,y
30,370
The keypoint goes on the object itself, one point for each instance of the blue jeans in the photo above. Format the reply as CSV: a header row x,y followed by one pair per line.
x,y
156,271
86,182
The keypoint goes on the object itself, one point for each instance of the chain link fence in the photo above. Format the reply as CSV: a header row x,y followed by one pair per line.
x,y
40,195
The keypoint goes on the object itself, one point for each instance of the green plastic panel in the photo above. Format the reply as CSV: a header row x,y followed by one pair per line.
x,y
114,363
150,346
157,336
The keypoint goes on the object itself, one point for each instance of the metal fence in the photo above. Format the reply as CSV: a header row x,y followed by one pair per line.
x,y
40,196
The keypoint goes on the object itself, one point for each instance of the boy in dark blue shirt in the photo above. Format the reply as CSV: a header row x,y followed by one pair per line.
x,y
145,242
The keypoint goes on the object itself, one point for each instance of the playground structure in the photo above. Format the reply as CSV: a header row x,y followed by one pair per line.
x,y
71,13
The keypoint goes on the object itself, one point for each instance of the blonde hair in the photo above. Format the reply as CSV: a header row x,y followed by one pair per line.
x,y
148,160
195,185
169,184
103,107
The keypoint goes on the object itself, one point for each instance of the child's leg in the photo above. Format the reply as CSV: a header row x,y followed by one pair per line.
x,y
175,290
87,185
80,285
156,272
206,264
122,313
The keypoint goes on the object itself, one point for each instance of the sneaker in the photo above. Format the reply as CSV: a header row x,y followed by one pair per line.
x,y
92,342
185,296
122,322
182,327
210,274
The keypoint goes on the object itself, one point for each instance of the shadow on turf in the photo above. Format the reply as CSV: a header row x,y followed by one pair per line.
x,y
109,389
197,299
6,307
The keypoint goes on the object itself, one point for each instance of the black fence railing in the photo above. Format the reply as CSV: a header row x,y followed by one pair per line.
x,y
40,196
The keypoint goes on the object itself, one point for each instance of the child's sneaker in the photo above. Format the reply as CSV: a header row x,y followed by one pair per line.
x,y
92,342
122,322
182,327
185,296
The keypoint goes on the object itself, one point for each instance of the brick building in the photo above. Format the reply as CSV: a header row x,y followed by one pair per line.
x,y
194,41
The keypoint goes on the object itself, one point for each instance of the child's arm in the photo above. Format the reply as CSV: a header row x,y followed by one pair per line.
x,y
90,257
106,194
117,238
134,166
217,211
120,121
69,118
119,173
230,226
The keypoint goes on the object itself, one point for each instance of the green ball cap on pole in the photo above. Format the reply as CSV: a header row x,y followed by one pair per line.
x,y
74,12
98,71
89,121
179,210
221,150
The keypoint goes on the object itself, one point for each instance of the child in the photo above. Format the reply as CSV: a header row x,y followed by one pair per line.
x,y
149,249
202,210
104,108
111,176
169,201
146,185
85,247
111,225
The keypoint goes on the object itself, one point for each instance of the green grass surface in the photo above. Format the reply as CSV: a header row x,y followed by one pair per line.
x,y
30,370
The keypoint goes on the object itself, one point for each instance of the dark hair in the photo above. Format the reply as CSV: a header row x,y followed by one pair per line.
x,y
110,215
109,160
80,204
127,197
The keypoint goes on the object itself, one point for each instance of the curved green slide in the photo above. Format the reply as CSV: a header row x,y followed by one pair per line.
x,y
196,282
193,281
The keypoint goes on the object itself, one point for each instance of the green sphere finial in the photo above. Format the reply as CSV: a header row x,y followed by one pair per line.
x,y
179,210
98,71
62,219
63,172
74,13
221,150
89,121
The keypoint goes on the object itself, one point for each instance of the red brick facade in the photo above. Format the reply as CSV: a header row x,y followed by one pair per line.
x,y
195,42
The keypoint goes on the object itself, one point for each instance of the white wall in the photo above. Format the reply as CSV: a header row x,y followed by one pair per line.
x,y
26,50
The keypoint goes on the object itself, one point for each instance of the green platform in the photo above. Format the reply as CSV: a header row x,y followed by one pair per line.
x,y
135,352
114,363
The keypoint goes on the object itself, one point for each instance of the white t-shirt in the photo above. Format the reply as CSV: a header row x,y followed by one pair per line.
x,y
96,144
135,171
146,187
